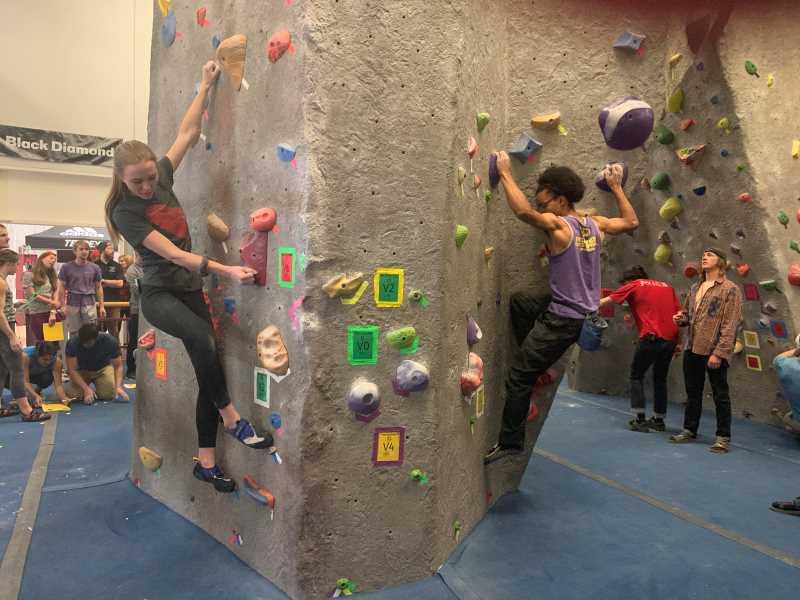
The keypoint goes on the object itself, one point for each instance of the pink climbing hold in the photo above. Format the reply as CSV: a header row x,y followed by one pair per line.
x,y
745,197
472,147
687,123
263,219
798,215
293,312
278,44
253,253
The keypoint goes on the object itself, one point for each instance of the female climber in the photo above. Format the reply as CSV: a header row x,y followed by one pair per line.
x,y
142,207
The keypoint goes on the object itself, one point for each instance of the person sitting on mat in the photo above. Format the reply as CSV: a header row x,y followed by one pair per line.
x,y
93,357
41,367
652,303
143,208
10,351
545,327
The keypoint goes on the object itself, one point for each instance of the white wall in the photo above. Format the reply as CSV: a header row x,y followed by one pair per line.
x,y
78,66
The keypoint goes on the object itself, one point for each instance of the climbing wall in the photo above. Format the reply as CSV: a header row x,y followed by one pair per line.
x,y
357,122
736,195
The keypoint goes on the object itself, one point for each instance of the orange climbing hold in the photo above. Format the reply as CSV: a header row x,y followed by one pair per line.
x,y
742,269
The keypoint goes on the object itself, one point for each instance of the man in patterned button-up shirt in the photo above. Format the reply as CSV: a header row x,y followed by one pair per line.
x,y
712,311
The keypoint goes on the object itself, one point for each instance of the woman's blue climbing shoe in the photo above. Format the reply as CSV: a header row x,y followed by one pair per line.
x,y
245,433
215,477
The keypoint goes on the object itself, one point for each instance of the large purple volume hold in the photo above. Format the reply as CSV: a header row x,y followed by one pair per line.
x,y
600,180
627,123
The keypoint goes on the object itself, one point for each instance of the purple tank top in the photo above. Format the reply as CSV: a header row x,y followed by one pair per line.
x,y
575,273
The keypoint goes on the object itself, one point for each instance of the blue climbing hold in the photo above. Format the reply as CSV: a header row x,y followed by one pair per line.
x,y
714,99
724,153
275,420
286,152
230,305
168,29
629,41
215,42
699,190
524,148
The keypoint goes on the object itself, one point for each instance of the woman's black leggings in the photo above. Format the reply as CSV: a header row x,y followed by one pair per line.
x,y
185,316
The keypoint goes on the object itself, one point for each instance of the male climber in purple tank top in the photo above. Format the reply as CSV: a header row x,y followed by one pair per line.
x,y
545,327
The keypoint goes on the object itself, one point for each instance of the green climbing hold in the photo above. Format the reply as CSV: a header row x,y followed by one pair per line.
x,y
418,475
793,245
671,208
751,68
401,338
660,181
482,119
461,234
664,135
487,195
663,254
345,586
769,284
741,167
675,101
783,218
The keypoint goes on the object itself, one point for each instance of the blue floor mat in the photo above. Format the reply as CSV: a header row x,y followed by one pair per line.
x,y
733,490
93,445
568,537
432,588
114,541
20,443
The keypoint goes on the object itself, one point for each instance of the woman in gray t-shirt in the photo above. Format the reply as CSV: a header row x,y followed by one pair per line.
x,y
39,285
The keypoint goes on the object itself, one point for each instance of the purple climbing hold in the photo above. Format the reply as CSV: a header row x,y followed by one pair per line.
x,y
600,180
629,41
410,377
474,333
494,176
524,148
626,123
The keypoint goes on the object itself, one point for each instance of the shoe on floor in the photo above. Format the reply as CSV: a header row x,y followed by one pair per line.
x,y
497,452
656,424
683,437
722,445
215,477
790,507
245,433
36,416
637,425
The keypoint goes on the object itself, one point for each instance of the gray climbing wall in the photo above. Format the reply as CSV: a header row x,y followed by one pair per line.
x,y
380,101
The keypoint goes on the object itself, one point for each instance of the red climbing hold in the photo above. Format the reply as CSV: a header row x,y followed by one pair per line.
x,y
794,274
745,197
742,269
687,123
691,270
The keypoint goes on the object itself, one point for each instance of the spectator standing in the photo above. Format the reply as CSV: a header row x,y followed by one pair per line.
x,y
40,286
113,281
79,288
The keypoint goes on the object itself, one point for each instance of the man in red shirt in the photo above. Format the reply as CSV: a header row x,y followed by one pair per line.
x,y
652,303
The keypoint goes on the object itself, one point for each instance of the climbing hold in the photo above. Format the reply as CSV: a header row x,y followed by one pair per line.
x,y
724,153
276,422
675,59
663,254
793,245
714,100
494,176
364,399
663,237
664,135
461,235
686,124
418,476
482,120
725,124
546,121
169,29
217,229
745,197
769,284
795,149
742,269
697,28
740,233
736,249
278,44
461,173
286,153
487,196
474,333
671,208
150,459
629,41
472,377
487,252
201,14
626,123
769,307
231,55
783,218
797,215
253,253
401,338
476,185
699,189
738,346
794,274
714,234
675,101
600,180
410,377
770,80
472,147
261,495
263,219
660,181
691,270
215,42
343,285
690,154
164,5
524,148
751,68
271,351
147,341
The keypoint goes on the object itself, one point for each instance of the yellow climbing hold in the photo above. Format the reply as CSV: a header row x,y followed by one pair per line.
x,y
563,130
164,6
675,101
150,458
675,59
795,149
663,254
671,208
725,124
770,80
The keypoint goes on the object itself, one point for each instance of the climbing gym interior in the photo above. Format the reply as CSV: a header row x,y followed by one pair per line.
x,y
348,156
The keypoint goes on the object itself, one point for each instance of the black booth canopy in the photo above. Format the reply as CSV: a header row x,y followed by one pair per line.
x,y
62,238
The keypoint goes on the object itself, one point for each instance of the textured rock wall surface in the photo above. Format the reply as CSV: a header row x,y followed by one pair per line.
x,y
380,101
